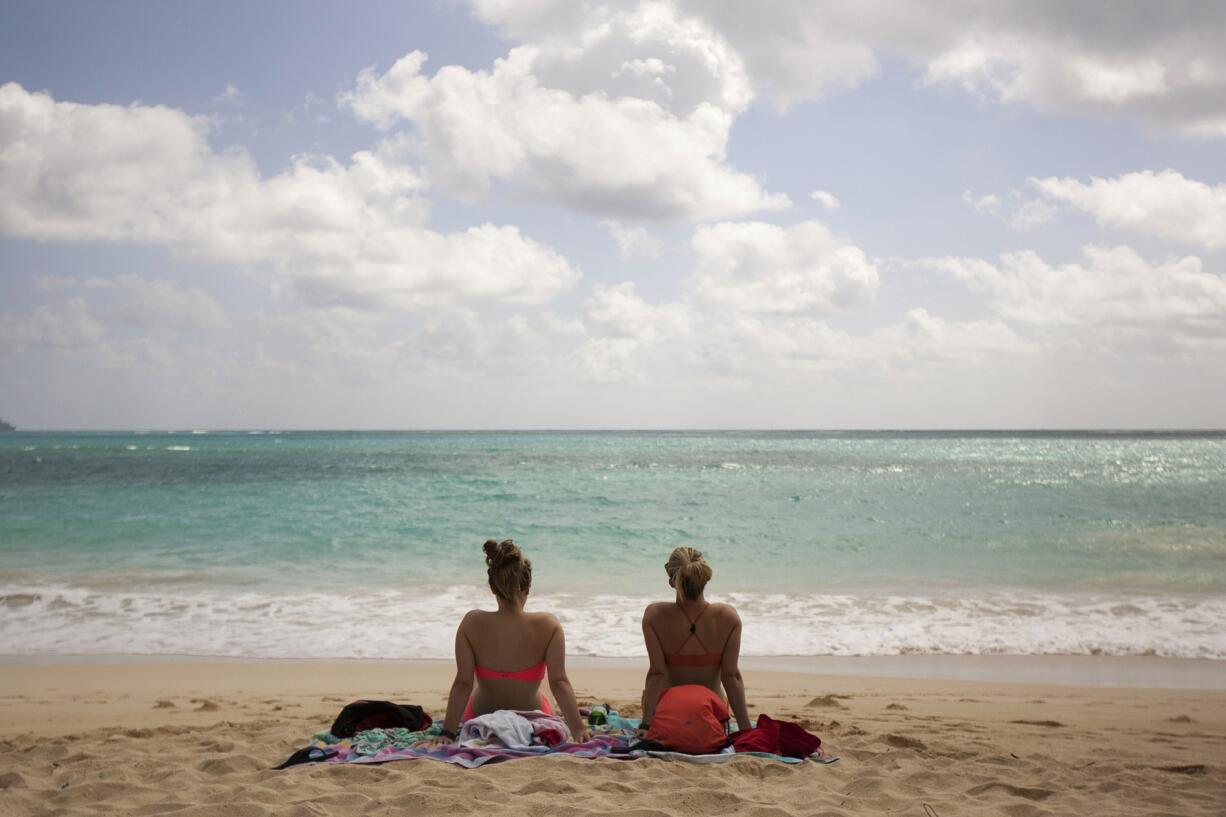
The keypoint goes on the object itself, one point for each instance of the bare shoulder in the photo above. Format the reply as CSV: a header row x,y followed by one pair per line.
x,y
725,612
545,621
653,611
473,617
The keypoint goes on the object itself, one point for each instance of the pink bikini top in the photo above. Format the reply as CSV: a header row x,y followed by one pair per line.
x,y
534,673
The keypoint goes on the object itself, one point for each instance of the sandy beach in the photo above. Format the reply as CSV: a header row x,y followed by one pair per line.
x,y
198,737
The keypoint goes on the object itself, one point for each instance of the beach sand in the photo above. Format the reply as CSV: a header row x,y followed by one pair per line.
x,y
198,737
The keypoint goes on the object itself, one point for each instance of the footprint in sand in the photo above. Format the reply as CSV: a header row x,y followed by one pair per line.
x,y
1180,719
1049,724
1196,769
205,705
897,708
164,705
1016,791
12,780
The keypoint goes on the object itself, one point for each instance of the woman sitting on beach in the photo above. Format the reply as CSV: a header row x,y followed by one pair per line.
x,y
693,647
509,652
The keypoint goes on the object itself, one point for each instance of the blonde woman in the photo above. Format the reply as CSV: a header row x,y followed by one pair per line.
x,y
503,655
693,646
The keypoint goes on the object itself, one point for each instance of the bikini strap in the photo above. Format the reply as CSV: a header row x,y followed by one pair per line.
x,y
693,629
694,620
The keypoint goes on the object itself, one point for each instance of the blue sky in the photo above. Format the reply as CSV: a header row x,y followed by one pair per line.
x,y
640,214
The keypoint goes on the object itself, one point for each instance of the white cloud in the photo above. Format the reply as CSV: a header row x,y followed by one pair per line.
x,y
1030,213
1081,70
150,303
751,313
825,199
748,309
461,343
1113,300
1164,204
987,203
339,234
795,50
762,268
69,325
230,96
921,337
620,312
648,50
1151,62
633,242
155,304
609,360
1113,303
611,156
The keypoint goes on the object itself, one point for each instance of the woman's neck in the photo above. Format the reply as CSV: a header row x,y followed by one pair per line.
x,y
698,602
512,607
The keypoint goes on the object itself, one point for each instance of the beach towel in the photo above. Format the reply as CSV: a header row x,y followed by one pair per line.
x,y
611,740
388,748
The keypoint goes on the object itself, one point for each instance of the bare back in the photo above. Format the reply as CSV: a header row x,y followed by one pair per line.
x,y
506,642
679,648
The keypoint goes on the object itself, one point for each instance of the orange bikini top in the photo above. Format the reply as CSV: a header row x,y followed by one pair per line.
x,y
702,659
533,673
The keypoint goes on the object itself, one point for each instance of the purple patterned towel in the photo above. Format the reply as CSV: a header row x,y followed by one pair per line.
x,y
471,757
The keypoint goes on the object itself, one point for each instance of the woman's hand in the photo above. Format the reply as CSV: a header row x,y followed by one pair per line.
x,y
582,737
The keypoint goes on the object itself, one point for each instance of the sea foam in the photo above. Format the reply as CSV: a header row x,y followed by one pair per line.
x,y
70,620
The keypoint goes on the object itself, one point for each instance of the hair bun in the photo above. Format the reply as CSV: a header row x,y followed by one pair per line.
x,y
509,572
501,554
688,571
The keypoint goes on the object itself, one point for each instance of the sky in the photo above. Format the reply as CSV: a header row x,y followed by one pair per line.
x,y
585,214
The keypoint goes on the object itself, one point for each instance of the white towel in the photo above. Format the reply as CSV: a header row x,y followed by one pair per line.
x,y
512,730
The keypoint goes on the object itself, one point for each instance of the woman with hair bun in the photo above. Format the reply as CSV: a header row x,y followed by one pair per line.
x,y
502,656
693,646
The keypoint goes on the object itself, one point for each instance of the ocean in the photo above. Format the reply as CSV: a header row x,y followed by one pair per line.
x,y
368,544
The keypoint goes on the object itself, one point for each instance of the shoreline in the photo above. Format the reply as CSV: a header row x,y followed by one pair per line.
x,y
1106,671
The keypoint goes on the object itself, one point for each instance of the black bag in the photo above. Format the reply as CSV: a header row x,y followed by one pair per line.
x,y
362,715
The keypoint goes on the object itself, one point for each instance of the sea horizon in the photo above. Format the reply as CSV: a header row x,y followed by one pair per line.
x,y
1106,430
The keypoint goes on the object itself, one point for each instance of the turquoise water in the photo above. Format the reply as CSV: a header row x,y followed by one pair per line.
x,y
940,542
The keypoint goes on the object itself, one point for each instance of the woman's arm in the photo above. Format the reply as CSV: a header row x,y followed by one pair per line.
x,y
730,674
559,684
657,670
462,686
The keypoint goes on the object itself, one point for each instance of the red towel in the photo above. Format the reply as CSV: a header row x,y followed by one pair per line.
x,y
777,737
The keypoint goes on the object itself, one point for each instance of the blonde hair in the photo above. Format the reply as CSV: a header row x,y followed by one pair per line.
x,y
688,572
509,570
